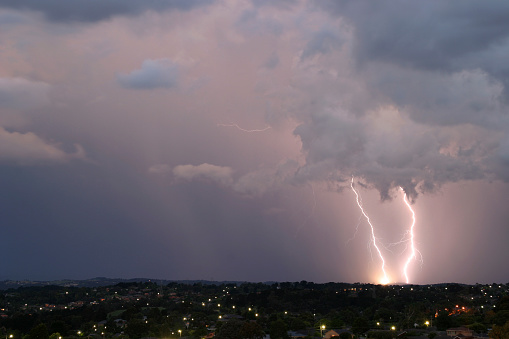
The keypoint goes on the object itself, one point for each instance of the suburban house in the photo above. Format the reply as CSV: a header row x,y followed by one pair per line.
x,y
463,331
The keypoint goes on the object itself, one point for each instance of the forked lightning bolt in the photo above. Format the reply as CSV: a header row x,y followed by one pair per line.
x,y
242,129
385,279
413,251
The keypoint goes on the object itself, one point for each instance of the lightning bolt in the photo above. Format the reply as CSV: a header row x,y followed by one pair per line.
x,y
385,279
356,229
413,251
243,129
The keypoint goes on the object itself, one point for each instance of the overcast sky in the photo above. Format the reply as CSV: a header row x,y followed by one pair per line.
x,y
218,139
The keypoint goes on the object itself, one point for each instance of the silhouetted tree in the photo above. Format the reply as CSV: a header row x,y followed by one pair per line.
x,y
251,330
278,330
39,332
230,329
360,326
500,332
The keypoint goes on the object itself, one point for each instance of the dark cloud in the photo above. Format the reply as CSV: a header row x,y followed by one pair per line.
x,y
469,96
161,73
424,34
429,35
97,10
423,104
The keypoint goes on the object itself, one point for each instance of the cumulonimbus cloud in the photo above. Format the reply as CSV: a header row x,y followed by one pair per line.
x,y
417,110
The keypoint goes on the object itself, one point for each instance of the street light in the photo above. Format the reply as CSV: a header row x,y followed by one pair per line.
x,y
180,332
321,330
393,328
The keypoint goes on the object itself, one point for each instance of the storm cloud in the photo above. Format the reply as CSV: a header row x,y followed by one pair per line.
x,y
131,132
97,10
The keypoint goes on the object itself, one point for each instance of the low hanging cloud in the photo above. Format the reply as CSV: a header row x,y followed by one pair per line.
x,y
28,148
220,174
159,73
20,93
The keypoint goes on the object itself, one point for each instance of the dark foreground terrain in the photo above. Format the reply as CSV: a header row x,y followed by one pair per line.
x,y
138,308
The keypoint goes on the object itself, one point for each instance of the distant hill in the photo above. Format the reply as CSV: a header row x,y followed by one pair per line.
x,y
102,281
